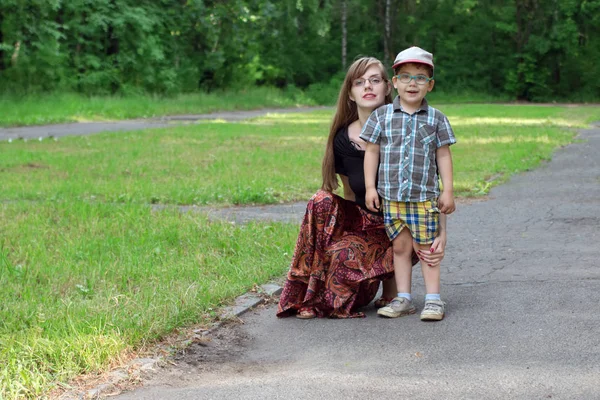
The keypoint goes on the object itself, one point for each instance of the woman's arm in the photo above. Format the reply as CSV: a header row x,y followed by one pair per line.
x,y
348,193
435,255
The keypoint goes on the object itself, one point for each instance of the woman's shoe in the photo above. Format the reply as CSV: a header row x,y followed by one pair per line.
x,y
383,301
306,313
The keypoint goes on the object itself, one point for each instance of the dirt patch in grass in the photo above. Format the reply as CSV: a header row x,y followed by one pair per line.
x,y
25,168
223,346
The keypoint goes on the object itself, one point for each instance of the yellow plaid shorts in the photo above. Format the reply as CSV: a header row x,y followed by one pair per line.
x,y
422,219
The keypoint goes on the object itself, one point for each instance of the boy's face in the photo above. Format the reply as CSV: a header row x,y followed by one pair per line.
x,y
411,93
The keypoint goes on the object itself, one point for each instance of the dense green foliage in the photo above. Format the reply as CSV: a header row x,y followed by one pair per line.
x,y
525,49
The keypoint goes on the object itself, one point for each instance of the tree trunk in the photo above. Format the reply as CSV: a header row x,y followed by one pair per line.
x,y
525,12
344,34
2,65
112,51
387,37
15,54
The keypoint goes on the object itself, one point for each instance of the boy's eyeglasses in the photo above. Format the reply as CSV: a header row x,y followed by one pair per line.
x,y
374,80
419,79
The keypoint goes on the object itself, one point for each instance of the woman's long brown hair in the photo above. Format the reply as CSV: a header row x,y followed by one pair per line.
x,y
346,113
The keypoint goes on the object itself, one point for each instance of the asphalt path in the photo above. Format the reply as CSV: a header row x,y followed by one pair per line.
x,y
522,282
86,128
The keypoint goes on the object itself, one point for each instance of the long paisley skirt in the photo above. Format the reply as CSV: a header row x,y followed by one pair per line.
x,y
341,255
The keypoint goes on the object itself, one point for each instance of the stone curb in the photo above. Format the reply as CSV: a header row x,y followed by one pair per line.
x,y
133,370
250,300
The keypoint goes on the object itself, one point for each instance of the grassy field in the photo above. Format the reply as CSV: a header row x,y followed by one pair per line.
x,y
267,160
88,271
82,283
72,107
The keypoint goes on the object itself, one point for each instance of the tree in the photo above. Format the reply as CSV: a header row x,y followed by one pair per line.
x,y
528,49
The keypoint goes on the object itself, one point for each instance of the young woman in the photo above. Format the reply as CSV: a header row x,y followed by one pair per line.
x,y
343,252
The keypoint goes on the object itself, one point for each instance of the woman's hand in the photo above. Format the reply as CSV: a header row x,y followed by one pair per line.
x,y
435,255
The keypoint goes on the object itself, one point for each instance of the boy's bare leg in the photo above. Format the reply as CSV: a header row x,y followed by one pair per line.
x,y
435,308
402,247
431,275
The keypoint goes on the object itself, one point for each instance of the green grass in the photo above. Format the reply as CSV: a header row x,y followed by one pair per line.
x,y
83,282
271,159
496,142
70,107
440,96
88,271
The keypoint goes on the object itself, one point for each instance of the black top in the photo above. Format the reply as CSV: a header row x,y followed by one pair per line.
x,y
349,161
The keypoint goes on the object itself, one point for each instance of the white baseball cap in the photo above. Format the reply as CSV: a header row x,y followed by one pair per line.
x,y
413,55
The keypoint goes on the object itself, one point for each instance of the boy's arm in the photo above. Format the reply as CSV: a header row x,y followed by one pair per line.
x,y
370,134
371,164
444,164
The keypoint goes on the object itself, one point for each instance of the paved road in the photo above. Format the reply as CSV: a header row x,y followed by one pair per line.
x,y
87,128
522,280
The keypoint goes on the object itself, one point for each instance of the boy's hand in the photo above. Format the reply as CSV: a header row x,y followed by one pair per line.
x,y
372,200
446,203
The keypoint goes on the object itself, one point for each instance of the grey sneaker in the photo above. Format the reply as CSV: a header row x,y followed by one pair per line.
x,y
433,311
398,307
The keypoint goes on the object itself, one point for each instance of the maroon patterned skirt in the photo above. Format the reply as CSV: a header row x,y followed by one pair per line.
x,y
341,255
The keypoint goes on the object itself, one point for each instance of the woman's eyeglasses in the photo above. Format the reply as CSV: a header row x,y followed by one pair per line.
x,y
374,80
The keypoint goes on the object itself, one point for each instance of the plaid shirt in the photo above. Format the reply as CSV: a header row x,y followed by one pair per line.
x,y
407,160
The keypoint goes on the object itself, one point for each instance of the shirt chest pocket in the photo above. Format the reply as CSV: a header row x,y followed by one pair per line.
x,y
425,140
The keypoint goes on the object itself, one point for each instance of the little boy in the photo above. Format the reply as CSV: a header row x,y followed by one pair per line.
x,y
413,142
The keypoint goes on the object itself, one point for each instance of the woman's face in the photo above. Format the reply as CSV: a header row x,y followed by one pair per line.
x,y
370,89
